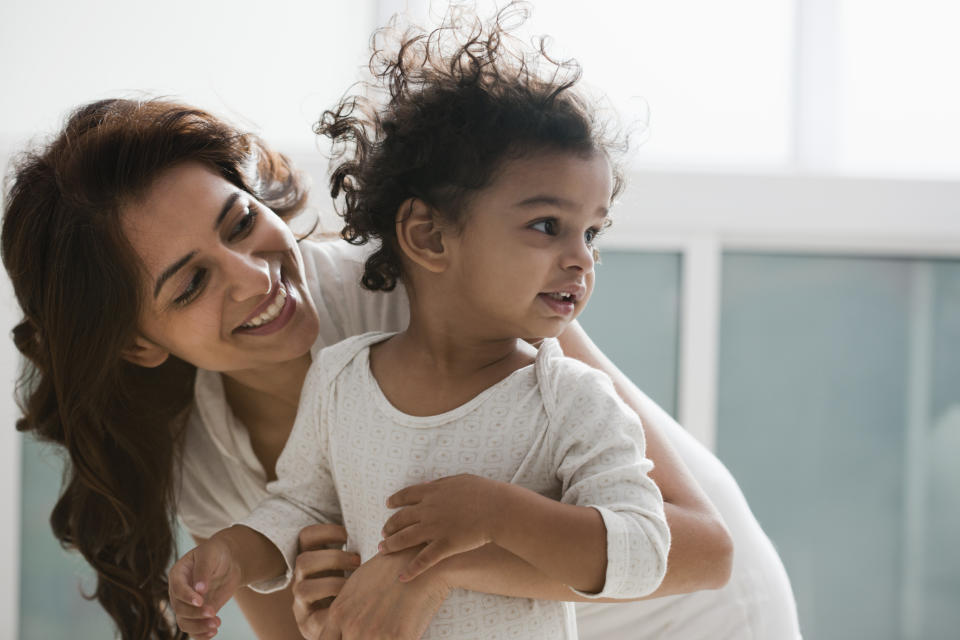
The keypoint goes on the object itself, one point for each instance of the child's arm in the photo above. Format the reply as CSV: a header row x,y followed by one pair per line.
x,y
460,513
701,547
610,508
207,576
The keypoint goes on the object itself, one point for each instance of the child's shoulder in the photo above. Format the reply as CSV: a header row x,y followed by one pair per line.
x,y
561,377
329,362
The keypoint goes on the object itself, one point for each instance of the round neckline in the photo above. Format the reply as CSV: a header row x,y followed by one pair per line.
x,y
426,422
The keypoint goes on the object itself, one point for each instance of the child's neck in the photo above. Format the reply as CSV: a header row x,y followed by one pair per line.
x,y
431,368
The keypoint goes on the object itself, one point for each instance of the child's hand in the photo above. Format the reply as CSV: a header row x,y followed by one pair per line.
x,y
450,515
200,583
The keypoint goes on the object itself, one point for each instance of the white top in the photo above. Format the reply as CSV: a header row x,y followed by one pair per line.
x,y
223,481
556,427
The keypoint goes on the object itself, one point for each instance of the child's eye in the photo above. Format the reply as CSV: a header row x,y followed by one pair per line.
x,y
592,234
244,225
548,226
193,288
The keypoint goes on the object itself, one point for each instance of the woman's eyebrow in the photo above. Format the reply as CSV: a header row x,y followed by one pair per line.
x,y
226,209
176,266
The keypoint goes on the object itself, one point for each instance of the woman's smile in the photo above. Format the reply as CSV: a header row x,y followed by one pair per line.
x,y
272,314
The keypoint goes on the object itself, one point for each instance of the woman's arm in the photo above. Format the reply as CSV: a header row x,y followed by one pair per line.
x,y
701,549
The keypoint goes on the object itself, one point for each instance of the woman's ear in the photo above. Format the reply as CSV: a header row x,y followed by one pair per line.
x,y
145,353
420,235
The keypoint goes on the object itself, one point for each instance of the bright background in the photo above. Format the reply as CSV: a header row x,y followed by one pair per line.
x,y
783,276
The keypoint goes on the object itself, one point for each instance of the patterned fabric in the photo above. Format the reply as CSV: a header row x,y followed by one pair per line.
x,y
556,427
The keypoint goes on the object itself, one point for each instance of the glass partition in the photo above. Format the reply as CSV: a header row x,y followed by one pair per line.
x,y
839,414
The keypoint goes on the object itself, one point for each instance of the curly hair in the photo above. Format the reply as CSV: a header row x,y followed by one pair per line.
x,y
76,278
457,102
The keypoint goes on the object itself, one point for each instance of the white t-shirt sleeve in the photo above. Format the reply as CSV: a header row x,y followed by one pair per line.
x,y
304,492
599,453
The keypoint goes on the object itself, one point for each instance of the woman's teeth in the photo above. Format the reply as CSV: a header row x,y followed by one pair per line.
x,y
271,312
562,297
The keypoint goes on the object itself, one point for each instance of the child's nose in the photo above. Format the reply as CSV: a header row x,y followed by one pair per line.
x,y
248,276
579,256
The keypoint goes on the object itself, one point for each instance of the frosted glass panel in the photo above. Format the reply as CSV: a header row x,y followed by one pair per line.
x,y
51,579
838,398
634,317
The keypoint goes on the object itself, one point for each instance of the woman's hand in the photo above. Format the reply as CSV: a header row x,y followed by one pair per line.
x,y
451,515
375,605
369,605
318,575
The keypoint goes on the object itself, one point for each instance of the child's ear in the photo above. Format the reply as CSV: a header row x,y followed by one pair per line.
x,y
420,235
145,353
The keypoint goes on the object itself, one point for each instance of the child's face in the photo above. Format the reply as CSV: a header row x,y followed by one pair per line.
x,y
522,264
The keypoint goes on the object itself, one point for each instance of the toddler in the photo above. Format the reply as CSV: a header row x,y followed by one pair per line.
x,y
483,183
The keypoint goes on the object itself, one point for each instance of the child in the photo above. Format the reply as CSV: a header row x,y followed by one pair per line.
x,y
485,185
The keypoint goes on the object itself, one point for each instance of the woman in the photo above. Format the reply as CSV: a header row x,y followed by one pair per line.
x,y
142,246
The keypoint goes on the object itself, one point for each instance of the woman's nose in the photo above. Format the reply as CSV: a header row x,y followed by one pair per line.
x,y
248,276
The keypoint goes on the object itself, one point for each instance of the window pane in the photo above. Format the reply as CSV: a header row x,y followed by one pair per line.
x,y
827,368
898,106
633,316
51,579
714,77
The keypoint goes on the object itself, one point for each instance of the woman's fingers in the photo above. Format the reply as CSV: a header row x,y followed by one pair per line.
x,y
400,520
309,592
311,623
322,536
313,564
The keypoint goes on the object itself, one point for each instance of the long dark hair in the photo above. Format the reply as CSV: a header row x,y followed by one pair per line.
x,y
448,107
76,278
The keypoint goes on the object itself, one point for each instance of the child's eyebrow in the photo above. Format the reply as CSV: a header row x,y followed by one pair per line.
x,y
554,201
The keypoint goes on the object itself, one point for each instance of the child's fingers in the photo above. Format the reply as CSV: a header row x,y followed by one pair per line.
x,y
407,496
402,519
199,627
404,539
180,587
188,611
429,556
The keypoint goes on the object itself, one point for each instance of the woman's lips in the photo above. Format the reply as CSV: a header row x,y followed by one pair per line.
x,y
277,323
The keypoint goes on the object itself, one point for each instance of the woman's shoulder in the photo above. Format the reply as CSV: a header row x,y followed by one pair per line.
x,y
333,270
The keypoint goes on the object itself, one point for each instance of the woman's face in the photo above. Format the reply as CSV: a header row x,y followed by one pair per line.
x,y
224,286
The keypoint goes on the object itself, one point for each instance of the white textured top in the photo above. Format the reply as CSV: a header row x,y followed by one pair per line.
x,y
222,481
556,427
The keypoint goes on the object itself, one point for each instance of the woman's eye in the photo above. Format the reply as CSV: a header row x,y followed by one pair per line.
x,y
193,288
244,225
548,226
591,234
